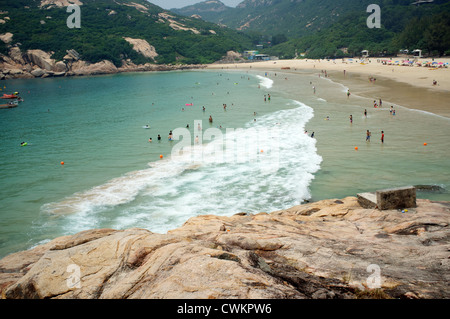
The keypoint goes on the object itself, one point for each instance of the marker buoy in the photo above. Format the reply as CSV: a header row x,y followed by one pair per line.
x,y
262,151
425,144
160,156
62,163
356,148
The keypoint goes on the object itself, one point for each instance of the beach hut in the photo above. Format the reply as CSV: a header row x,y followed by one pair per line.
x,y
417,54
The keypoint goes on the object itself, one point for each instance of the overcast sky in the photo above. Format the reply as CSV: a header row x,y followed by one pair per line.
x,y
169,4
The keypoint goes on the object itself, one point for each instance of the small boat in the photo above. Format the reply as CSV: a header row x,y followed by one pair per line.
x,y
9,105
10,96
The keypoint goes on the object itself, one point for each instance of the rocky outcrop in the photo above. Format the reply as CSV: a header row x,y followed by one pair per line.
x,y
328,249
39,64
142,47
58,3
41,59
85,68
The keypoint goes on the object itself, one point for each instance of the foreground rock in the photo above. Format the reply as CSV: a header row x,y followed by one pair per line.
x,y
328,249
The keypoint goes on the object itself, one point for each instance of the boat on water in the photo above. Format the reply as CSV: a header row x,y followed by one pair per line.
x,y
9,105
15,95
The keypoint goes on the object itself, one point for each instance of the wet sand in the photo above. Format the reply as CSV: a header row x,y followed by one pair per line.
x,y
411,87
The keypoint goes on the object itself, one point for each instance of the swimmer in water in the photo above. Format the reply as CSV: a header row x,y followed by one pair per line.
x,y
159,137
150,140
210,119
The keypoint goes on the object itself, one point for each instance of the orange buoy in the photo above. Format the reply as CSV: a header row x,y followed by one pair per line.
x,y
356,148
160,156
262,151
62,163
425,144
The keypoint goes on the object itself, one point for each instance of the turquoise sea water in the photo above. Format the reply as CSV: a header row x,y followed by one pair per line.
x,y
113,176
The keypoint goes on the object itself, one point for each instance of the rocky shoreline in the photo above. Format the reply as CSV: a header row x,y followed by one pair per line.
x,y
39,64
332,249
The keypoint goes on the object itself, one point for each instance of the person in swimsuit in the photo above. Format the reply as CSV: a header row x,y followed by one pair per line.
x,y
382,136
368,134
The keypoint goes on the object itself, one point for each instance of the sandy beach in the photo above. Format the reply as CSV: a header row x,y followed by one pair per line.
x,y
410,86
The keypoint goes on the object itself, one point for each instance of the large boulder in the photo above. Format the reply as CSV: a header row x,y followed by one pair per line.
x,y
37,72
85,68
60,66
16,54
6,37
41,59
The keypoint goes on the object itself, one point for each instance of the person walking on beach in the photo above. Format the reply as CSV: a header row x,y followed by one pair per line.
x,y
382,137
368,134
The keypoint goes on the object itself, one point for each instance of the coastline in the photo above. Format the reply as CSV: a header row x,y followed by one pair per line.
x,y
411,87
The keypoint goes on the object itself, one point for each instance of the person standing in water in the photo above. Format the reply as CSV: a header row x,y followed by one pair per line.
x,y
382,137
368,134
351,119
365,112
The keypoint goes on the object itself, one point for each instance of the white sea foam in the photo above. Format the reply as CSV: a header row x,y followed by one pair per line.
x,y
265,82
265,166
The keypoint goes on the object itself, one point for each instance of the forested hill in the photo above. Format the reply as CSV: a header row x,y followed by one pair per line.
x,y
42,24
335,28
292,18
403,26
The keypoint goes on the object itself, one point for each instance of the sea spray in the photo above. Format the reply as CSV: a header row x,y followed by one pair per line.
x,y
265,82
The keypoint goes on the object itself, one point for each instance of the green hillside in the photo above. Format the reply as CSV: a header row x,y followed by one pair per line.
x,y
335,28
293,18
105,23
403,26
